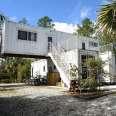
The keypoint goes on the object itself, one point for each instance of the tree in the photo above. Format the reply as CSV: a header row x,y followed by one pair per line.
x,y
17,68
105,38
106,22
106,19
94,69
45,22
87,28
23,21
2,19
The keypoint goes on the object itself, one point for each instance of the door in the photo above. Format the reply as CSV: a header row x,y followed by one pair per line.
x,y
84,67
49,44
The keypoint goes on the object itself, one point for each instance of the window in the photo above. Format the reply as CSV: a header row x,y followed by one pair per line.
x,y
23,35
29,36
49,39
93,44
83,46
32,36
44,68
49,43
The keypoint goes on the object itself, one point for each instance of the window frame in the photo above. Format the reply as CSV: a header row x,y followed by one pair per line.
x,y
28,35
19,35
93,44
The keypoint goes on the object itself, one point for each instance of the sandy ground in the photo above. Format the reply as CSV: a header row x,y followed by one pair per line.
x,y
51,101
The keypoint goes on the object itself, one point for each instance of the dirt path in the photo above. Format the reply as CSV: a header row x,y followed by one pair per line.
x,y
51,101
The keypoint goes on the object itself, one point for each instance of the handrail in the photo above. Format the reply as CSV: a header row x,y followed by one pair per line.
x,y
59,55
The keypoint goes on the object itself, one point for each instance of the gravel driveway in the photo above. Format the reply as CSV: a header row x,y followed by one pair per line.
x,y
51,101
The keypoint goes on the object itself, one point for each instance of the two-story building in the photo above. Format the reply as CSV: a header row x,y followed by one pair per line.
x,y
62,48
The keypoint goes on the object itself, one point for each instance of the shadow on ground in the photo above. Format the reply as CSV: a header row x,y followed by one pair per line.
x,y
63,105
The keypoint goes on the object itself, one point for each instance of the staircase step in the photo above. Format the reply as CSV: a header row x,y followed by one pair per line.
x,y
61,66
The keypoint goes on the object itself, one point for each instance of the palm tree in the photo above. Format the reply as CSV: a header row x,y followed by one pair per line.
x,y
106,20
86,29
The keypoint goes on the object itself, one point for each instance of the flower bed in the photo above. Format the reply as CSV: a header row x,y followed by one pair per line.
x,y
90,94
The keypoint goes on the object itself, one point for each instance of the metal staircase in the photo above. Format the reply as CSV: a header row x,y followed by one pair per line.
x,y
57,55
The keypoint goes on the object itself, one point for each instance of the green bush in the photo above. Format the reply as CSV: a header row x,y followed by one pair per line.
x,y
17,69
89,83
94,69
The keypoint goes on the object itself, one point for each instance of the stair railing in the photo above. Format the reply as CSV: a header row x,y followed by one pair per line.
x,y
59,55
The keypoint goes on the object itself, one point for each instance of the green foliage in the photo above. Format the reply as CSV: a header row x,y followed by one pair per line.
x,y
106,19
45,22
5,78
87,28
89,83
94,69
17,68
73,72
106,38
94,63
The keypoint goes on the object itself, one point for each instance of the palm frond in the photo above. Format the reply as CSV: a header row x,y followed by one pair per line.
x,y
105,19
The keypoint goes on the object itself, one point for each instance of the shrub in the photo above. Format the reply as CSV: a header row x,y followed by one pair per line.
x,y
94,70
88,84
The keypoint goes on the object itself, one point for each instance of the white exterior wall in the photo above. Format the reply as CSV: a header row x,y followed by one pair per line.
x,y
37,68
71,57
109,67
15,46
74,56
114,66
107,59
12,45
70,41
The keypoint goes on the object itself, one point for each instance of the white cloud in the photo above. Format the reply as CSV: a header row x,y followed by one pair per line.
x,y
106,1
84,12
64,27
13,18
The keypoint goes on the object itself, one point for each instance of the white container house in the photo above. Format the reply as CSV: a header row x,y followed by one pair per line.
x,y
62,48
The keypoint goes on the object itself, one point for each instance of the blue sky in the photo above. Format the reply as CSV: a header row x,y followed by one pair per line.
x,y
68,11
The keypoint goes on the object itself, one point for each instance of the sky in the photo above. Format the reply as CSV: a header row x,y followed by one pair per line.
x,y
65,13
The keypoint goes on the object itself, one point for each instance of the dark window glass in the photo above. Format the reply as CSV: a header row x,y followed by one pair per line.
x,y
22,35
83,46
44,68
35,36
49,39
95,44
29,36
